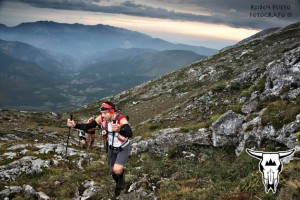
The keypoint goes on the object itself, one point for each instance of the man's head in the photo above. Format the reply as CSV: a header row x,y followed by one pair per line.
x,y
107,110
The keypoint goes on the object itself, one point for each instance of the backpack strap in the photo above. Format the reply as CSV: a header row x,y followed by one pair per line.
x,y
104,123
118,118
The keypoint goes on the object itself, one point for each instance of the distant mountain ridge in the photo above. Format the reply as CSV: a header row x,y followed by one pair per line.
x,y
147,63
50,61
27,84
80,40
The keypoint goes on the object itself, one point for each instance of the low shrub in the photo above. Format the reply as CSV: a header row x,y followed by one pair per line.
x,y
279,113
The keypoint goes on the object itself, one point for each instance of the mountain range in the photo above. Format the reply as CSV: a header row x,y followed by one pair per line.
x,y
79,40
80,64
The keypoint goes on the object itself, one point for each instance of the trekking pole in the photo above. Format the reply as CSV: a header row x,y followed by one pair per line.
x,y
71,118
88,154
100,135
111,152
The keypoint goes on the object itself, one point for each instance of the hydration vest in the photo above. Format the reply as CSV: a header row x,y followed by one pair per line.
x,y
115,139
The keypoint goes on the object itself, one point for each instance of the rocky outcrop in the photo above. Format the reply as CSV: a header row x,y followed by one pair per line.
x,y
28,191
166,138
90,188
25,165
283,73
227,129
230,128
32,164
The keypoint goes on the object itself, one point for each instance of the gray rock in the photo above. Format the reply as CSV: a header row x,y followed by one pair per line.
x,y
283,72
25,165
10,190
227,129
60,149
90,189
140,193
18,146
42,196
166,138
10,137
28,191
249,106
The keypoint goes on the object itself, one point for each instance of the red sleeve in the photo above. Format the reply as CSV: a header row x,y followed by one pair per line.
x,y
120,118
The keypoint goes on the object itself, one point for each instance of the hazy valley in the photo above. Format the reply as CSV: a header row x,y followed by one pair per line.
x,y
64,66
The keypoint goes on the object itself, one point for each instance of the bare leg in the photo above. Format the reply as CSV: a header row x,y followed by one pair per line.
x,y
83,144
88,137
92,140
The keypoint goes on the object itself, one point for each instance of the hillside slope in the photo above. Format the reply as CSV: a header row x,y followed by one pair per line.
x,y
246,79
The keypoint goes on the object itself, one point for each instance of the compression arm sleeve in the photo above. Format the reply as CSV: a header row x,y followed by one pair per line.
x,y
126,130
85,127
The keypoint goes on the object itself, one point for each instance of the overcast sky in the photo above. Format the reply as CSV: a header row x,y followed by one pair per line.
x,y
210,23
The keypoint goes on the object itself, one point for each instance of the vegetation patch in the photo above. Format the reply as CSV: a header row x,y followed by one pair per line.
x,y
196,127
218,87
246,93
240,86
266,102
298,136
279,113
261,84
237,108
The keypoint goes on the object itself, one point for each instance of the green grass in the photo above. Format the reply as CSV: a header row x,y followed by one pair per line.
x,y
197,126
298,136
237,108
261,84
279,113
218,87
214,173
195,177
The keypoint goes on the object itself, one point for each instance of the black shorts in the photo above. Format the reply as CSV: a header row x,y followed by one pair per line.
x,y
91,133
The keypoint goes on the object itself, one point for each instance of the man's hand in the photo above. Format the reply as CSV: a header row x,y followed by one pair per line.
x,y
115,127
71,123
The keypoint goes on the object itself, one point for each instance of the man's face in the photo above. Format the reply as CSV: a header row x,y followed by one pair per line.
x,y
106,115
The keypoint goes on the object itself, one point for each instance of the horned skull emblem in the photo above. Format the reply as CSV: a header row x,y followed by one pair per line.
x,y
270,166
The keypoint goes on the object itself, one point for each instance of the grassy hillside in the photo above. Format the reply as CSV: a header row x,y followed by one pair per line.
x,y
185,172
178,99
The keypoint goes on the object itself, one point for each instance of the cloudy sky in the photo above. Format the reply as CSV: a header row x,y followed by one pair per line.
x,y
210,23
